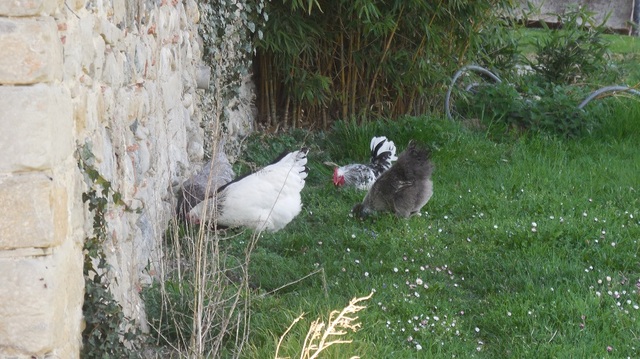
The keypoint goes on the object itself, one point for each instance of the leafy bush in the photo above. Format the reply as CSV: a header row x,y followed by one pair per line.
x,y
498,47
575,52
538,106
568,63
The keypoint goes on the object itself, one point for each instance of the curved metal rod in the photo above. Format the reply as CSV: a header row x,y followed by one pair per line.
x,y
599,92
459,73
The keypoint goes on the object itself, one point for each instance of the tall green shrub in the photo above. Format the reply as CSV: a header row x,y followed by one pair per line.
x,y
575,52
339,59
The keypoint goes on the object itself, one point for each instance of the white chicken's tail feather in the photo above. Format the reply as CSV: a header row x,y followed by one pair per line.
x,y
300,162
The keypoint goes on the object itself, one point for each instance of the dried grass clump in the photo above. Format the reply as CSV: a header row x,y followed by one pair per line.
x,y
322,335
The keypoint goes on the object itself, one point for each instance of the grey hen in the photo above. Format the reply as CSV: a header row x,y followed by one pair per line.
x,y
404,188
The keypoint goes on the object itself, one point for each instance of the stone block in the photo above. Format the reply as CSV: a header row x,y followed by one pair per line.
x,y
75,5
171,91
35,212
110,32
31,51
113,74
36,127
119,10
192,11
41,309
29,7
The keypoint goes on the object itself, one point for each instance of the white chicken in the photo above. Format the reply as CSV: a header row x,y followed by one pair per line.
x,y
267,199
362,176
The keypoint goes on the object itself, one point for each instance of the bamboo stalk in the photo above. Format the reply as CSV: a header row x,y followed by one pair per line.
x,y
384,55
294,112
272,96
325,118
264,88
286,110
328,65
418,52
298,117
354,73
351,68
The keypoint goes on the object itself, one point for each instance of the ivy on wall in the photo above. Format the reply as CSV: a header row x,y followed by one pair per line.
x,y
228,29
107,332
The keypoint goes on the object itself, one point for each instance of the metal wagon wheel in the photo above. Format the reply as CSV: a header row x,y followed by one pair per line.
x,y
465,91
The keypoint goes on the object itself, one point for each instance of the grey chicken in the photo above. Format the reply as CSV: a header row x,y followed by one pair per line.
x,y
404,188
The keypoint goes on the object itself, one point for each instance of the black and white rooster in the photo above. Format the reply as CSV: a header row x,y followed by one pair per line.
x,y
267,199
362,176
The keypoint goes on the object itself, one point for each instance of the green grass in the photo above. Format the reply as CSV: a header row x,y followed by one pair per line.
x,y
528,249
622,44
619,44
625,50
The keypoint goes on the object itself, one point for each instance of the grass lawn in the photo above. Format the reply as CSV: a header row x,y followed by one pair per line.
x,y
618,44
528,249
626,50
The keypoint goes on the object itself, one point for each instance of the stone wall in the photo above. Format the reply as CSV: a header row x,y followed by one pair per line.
x,y
41,220
617,15
118,79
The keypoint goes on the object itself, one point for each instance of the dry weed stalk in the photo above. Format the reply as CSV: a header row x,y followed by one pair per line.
x,y
322,335
217,304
